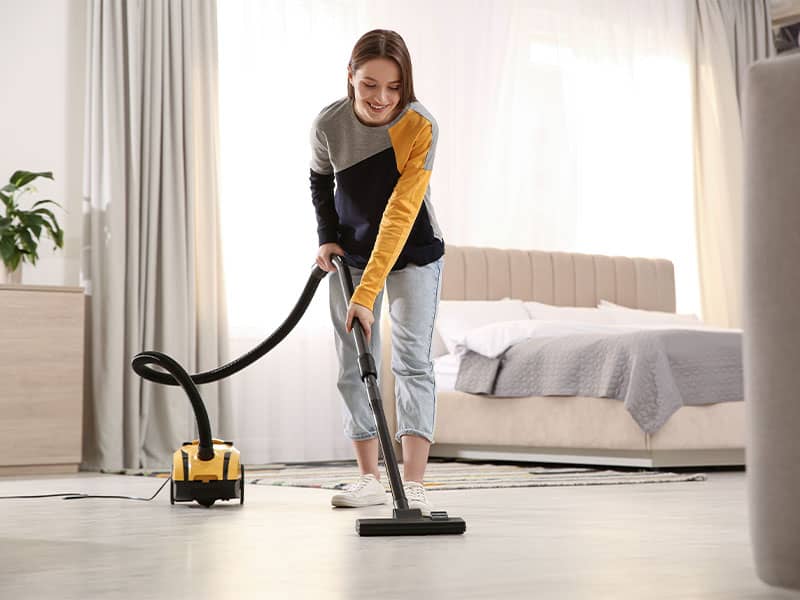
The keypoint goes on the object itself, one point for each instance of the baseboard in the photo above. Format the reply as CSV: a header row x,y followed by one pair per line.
x,y
6,471
715,457
591,456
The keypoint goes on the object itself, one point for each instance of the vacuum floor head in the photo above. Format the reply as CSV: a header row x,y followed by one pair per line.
x,y
411,522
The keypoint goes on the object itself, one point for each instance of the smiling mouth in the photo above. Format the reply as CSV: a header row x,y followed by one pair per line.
x,y
377,107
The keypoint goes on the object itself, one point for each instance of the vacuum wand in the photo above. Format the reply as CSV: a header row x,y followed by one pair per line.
x,y
369,375
405,520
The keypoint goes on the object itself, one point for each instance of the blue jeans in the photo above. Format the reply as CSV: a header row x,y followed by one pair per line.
x,y
413,300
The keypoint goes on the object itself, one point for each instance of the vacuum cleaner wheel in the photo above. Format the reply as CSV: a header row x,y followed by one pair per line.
x,y
241,487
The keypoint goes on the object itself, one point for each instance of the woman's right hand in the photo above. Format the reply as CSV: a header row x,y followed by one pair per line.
x,y
324,256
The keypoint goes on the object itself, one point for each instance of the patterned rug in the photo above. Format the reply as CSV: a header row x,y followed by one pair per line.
x,y
462,476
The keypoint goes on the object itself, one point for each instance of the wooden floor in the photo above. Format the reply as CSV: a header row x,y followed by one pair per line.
x,y
676,540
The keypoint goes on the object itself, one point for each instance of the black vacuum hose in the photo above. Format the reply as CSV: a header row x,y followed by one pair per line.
x,y
177,375
253,355
180,377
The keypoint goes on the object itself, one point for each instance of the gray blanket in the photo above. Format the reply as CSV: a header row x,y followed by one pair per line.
x,y
653,372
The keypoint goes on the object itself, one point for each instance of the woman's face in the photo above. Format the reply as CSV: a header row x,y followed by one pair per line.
x,y
377,90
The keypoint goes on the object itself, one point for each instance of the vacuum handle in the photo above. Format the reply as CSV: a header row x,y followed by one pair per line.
x,y
346,282
369,375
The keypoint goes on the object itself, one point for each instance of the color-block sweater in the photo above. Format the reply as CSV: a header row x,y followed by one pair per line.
x,y
379,210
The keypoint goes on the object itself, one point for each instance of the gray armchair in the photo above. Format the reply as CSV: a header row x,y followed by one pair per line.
x,y
771,122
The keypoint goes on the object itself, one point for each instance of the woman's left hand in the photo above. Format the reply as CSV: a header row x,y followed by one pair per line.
x,y
365,317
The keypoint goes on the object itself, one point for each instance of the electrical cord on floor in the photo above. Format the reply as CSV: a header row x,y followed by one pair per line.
x,y
81,496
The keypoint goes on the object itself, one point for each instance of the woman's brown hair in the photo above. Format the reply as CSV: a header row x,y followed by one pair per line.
x,y
383,43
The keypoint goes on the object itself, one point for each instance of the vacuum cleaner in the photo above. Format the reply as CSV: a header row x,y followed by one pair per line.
x,y
208,469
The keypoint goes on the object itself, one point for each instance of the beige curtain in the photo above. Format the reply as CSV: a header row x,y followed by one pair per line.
x,y
748,27
727,36
718,168
151,247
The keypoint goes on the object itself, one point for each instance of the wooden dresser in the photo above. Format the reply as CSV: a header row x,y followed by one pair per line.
x,y
41,378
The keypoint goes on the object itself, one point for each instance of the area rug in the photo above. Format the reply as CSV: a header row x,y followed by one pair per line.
x,y
466,476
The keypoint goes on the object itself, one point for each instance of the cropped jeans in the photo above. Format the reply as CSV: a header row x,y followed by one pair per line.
x,y
414,293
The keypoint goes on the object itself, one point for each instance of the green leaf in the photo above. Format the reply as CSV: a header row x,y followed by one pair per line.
x,y
29,218
7,249
45,211
21,178
36,228
7,200
58,237
28,245
46,202
56,234
13,262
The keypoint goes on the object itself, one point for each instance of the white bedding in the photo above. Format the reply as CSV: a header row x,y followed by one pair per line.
x,y
445,369
653,370
490,328
494,339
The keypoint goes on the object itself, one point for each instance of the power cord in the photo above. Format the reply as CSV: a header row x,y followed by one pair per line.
x,y
81,496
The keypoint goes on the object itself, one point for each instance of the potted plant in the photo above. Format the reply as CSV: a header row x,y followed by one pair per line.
x,y
21,229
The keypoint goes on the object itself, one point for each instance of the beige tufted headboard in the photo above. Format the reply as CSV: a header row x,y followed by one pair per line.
x,y
559,278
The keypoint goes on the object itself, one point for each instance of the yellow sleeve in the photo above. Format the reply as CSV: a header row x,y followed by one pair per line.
x,y
411,139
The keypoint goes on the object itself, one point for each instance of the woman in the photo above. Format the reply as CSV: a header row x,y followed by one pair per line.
x,y
378,145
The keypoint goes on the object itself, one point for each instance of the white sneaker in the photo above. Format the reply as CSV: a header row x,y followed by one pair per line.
x,y
367,491
415,494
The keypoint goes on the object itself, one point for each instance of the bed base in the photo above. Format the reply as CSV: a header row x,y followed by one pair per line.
x,y
652,459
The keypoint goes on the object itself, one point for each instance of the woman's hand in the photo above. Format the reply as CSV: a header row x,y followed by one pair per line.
x,y
365,317
324,256
357,311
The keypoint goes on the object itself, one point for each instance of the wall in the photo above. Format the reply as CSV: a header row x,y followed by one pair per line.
x,y
43,74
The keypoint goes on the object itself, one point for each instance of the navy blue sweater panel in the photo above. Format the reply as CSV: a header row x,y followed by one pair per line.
x,y
362,193
322,198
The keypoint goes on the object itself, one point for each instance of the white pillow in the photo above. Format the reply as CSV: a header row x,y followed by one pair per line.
x,y
575,314
492,340
437,344
625,315
456,318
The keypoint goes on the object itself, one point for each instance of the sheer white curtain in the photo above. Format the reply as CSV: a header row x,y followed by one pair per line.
x,y
280,63
588,148
564,125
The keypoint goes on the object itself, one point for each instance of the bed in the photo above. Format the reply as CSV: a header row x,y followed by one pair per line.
x,y
566,429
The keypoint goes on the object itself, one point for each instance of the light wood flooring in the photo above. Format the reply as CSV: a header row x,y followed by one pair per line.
x,y
675,540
